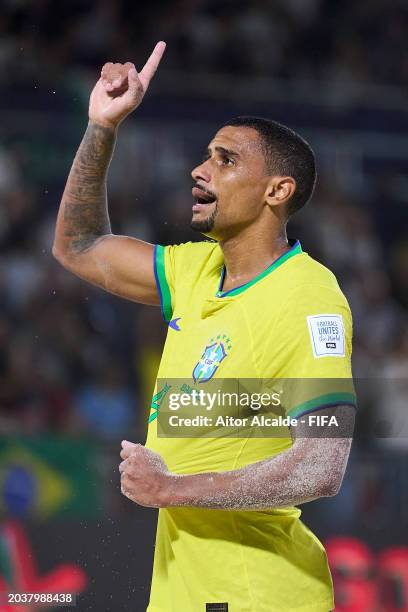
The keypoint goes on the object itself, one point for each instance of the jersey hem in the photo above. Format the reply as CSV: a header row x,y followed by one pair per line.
x,y
325,606
162,284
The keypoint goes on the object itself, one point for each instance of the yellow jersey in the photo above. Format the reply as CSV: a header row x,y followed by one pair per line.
x,y
289,322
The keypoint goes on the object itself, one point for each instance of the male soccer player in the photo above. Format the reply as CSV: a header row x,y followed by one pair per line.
x,y
246,304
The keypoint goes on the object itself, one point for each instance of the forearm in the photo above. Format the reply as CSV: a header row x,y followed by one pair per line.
x,y
83,215
310,469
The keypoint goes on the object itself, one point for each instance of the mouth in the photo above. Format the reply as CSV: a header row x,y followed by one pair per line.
x,y
202,198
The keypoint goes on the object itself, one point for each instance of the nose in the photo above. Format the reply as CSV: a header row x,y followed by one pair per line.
x,y
202,172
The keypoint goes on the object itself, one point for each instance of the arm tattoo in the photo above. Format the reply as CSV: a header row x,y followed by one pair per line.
x,y
85,206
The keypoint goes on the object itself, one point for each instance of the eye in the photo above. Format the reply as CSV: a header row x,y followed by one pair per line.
x,y
227,161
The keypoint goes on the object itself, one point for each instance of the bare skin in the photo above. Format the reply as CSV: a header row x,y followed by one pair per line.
x,y
83,242
249,221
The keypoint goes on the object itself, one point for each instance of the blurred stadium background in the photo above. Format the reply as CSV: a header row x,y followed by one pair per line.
x,y
77,365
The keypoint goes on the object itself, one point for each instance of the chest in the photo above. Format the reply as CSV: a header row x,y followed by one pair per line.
x,y
224,337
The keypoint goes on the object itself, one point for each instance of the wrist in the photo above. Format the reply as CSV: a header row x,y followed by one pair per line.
x,y
170,494
104,124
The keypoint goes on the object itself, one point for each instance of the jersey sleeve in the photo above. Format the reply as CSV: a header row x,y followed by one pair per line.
x,y
179,267
313,340
168,261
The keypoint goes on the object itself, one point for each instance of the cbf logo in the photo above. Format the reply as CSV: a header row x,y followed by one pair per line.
x,y
217,350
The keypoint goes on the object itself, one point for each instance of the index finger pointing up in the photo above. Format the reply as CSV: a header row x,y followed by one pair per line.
x,y
151,65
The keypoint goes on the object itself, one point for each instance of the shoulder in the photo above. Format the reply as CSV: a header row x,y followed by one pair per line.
x,y
311,281
190,256
309,270
191,249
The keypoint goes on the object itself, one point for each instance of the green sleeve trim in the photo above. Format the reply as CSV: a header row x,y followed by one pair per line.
x,y
323,401
162,284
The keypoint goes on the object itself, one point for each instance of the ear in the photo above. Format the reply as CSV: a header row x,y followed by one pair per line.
x,y
279,190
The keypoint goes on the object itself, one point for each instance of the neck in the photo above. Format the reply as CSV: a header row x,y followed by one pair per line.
x,y
250,253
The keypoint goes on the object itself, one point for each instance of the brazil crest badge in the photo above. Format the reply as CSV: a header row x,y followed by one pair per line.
x,y
216,351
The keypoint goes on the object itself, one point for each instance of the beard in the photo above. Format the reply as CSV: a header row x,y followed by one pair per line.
x,y
205,226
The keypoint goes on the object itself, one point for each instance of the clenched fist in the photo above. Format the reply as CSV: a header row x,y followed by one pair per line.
x,y
121,89
145,478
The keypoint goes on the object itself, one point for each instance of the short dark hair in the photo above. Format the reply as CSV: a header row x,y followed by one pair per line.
x,y
287,154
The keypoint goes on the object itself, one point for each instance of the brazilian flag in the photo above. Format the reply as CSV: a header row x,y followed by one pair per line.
x,y
43,477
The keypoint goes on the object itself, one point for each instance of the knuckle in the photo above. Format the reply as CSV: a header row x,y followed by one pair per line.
x,y
136,93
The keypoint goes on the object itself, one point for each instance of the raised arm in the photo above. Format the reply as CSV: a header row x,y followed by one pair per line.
x,y
84,243
313,467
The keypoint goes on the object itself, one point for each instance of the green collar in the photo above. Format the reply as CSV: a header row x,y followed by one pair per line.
x,y
295,250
